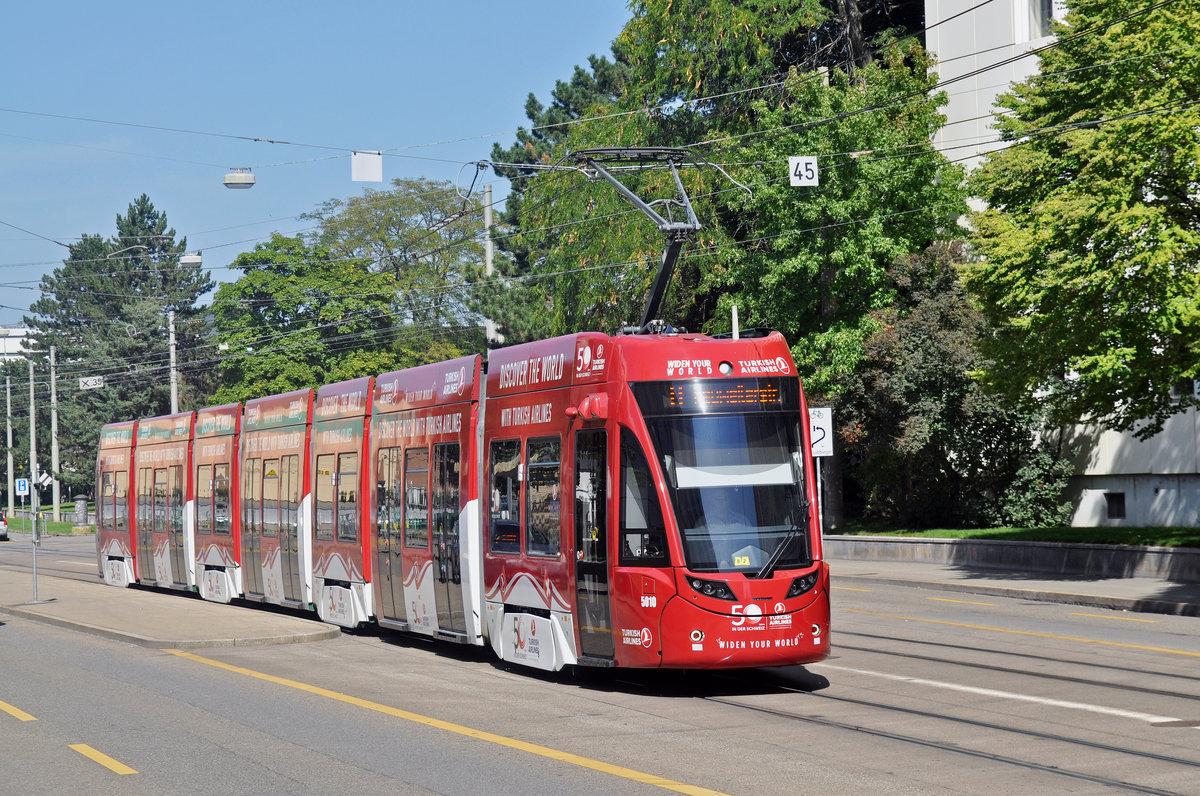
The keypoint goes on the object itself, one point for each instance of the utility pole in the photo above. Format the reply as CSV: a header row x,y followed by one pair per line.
x,y
34,503
11,477
489,326
55,490
174,371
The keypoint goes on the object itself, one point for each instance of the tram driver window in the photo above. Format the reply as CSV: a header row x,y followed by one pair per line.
x,y
505,499
543,500
643,534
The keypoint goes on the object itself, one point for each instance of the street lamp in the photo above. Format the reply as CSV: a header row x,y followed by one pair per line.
x,y
239,178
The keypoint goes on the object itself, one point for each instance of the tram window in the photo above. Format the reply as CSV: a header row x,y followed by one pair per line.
x,y
107,502
175,497
324,496
270,497
204,506
121,501
543,500
251,495
289,491
347,497
160,499
506,496
388,495
445,510
416,498
643,534
222,518
591,493
145,493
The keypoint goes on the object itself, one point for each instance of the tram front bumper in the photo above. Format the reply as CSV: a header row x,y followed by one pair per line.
x,y
695,638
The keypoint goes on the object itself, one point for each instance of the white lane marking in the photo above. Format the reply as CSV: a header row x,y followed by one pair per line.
x,y
1153,718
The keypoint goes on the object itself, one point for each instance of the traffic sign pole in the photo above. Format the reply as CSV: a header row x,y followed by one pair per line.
x,y
23,491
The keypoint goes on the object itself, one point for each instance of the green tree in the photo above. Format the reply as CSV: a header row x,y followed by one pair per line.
x,y
429,239
931,446
105,312
299,317
1092,237
516,299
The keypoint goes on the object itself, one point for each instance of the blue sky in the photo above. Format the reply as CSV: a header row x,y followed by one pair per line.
x,y
437,81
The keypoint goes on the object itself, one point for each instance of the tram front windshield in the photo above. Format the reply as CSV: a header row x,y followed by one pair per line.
x,y
731,453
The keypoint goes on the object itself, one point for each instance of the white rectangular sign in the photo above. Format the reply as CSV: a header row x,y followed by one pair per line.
x,y
91,382
820,422
23,487
803,170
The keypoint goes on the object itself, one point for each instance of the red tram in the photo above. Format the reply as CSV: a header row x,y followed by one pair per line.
x,y
640,500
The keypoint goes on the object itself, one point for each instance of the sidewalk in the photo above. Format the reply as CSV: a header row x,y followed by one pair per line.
x,y
1147,595
150,618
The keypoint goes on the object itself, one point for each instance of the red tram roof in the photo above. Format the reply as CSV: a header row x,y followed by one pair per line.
x,y
428,385
344,399
545,364
165,428
276,411
118,435
218,421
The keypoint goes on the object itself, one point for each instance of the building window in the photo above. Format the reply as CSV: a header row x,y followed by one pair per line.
x,y
1115,502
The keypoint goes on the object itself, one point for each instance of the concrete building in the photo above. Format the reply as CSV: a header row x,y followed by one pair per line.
x,y
12,343
1120,480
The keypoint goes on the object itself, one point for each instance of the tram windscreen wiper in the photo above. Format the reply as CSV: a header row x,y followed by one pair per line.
x,y
773,561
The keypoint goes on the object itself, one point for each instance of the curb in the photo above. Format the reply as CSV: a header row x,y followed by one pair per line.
x,y
1178,565
1040,595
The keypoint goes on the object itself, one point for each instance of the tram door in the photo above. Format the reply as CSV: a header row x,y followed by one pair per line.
x,y
446,562
252,526
389,501
172,485
289,519
591,543
145,526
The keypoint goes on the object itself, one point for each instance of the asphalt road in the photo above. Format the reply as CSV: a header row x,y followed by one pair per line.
x,y
927,692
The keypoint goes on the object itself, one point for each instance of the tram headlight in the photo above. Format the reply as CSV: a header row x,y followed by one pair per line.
x,y
725,368
803,584
712,588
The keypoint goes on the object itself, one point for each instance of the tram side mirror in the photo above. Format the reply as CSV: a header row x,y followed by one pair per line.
x,y
669,468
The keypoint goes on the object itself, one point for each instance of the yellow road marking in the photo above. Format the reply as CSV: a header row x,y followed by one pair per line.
x,y
1122,618
102,759
1030,633
460,729
847,588
16,712
961,602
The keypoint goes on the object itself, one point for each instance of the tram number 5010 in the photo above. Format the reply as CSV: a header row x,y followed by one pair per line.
x,y
649,601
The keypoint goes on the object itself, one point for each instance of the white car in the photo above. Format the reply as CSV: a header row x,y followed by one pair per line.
x,y
3,527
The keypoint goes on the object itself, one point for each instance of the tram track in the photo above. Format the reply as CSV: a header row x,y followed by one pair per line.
x,y
1041,675
956,748
16,556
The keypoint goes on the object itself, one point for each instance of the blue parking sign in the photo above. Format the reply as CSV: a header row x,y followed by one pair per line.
x,y
23,486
